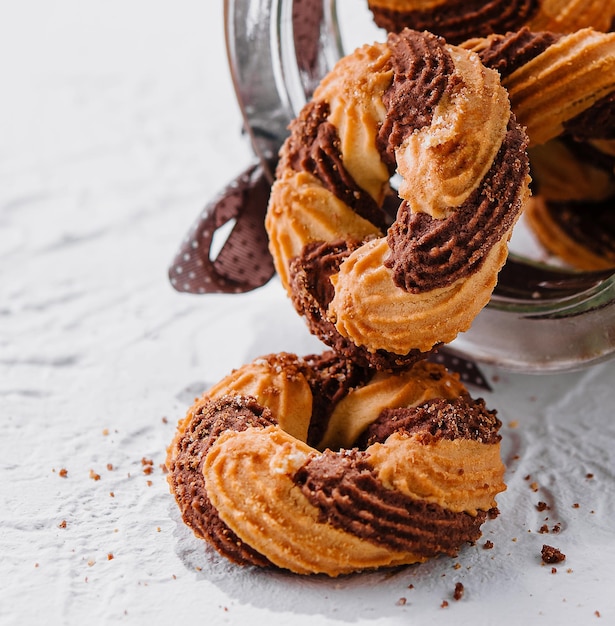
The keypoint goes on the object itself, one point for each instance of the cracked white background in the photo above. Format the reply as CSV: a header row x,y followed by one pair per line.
x,y
117,124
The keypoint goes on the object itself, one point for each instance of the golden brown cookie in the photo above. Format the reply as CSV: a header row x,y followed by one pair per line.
x,y
562,88
431,112
391,469
458,20
558,84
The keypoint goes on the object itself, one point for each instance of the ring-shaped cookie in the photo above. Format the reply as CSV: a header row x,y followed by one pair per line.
x,y
434,114
317,466
562,89
459,20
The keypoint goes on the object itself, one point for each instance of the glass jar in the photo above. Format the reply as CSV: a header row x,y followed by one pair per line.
x,y
542,317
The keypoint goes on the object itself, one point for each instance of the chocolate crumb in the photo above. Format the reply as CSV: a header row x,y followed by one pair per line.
x,y
62,524
543,506
401,602
554,570
576,505
444,604
493,513
552,555
597,613
459,590
488,545
63,473
589,476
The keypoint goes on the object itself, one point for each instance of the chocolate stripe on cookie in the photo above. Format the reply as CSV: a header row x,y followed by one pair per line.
x,y
350,496
462,418
331,377
422,70
458,20
314,147
207,422
507,53
429,253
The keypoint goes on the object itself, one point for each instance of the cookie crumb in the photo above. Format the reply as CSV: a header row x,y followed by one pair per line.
x,y
63,473
401,602
488,545
543,506
552,555
94,475
148,465
459,591
444,604
62,524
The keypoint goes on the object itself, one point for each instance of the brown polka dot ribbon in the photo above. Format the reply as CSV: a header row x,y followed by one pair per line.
x,y
242,261
468,371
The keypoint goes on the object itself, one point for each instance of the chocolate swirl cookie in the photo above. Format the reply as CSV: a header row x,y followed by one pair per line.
x,y
318,466
459,20
562,89
433,114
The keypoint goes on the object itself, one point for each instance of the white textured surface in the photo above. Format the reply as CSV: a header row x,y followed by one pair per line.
x,y
117,123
